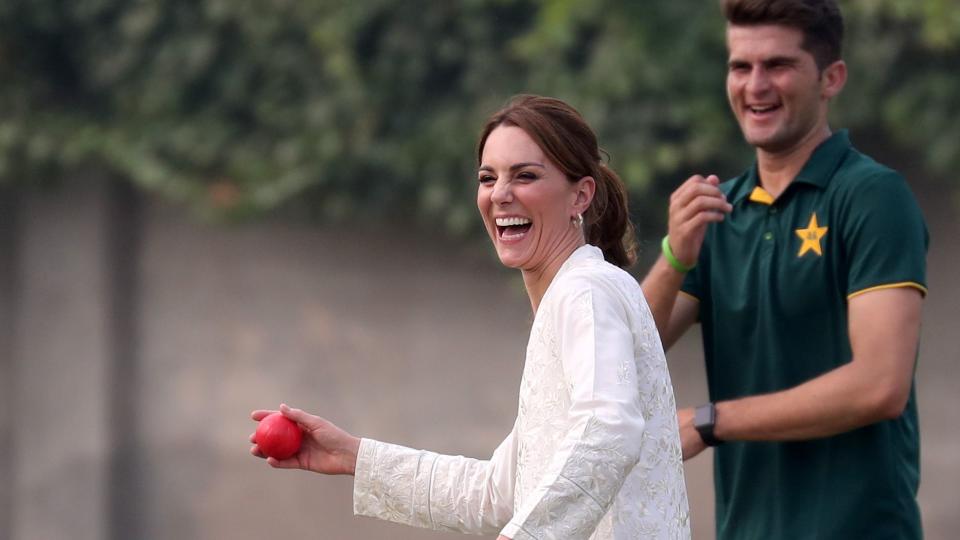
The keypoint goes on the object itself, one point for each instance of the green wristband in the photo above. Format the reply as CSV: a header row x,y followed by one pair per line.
x,y
668,254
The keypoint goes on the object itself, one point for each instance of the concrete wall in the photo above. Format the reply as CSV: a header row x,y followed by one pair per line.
x,y
404,337
59,370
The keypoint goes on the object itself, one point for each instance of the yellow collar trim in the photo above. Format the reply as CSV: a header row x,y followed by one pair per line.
x,y
760,195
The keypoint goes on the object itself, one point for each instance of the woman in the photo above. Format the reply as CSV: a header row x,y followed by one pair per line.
x,y
594,452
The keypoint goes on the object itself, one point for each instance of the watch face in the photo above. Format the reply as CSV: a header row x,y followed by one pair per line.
x,y
704,419
703,416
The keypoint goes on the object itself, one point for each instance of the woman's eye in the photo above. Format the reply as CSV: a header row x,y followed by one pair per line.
x,y
485,178
526,175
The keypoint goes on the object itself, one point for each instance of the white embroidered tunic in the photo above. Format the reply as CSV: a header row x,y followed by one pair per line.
x,y
594,452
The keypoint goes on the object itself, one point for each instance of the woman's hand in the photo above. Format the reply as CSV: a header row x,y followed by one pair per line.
x,y
325,449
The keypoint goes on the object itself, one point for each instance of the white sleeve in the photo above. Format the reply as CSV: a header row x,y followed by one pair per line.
x,y
428,490
604,423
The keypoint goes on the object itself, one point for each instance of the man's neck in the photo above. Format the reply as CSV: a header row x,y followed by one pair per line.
x,y
777,169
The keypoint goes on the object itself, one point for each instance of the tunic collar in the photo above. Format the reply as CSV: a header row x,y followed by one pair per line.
x,y
584,254
580,255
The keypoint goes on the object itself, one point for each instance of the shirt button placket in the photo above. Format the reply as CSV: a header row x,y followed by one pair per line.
x,y
769,243
770,223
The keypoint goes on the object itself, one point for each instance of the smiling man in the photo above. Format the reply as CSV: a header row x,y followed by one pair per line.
x,y
807,275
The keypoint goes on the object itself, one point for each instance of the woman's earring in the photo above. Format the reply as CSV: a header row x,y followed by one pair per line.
x,y
577,221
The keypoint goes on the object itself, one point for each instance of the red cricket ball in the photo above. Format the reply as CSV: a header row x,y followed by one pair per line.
x,y
278,436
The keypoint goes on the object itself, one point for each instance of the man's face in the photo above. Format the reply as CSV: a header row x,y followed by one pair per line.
x,y
774,86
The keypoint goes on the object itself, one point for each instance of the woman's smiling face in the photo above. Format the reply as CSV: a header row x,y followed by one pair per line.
x,y
526,201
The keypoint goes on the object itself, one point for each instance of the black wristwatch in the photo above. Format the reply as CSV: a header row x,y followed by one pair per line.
x,y
704,419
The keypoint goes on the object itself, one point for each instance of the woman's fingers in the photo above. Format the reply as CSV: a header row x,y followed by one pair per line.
x,y
289,463
260,414
296,415
305,419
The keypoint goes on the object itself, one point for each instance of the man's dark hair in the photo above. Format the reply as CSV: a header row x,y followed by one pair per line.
x,y
819,20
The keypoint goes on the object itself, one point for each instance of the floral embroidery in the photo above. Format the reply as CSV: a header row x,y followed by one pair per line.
x,y
595,452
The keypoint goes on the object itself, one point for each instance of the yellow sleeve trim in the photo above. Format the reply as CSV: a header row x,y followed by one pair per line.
x,y
915,285
688,295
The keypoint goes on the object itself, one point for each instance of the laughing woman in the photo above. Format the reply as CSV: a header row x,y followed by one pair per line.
x,y
594,452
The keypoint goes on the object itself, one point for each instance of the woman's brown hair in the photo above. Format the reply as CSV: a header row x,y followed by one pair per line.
x,y
567,140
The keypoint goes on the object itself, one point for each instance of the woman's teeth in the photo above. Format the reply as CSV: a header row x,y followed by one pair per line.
x,y
511,221
512,228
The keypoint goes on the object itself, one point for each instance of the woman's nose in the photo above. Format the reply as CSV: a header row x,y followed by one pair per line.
x,y
502,192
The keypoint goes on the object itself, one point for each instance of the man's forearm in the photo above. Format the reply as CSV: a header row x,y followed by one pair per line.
x,y
660,289
841,400
875,385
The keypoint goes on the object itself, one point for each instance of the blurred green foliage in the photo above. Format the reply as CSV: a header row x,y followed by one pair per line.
x,y
369,109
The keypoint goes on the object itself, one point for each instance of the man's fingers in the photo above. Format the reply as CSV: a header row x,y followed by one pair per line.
x,y
689,228
699,205
686,187
692,190
708,217
707,202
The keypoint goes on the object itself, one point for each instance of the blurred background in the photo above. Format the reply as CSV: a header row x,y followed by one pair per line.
x,y
212,206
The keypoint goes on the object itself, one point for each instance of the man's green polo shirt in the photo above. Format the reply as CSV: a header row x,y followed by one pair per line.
x,y
773,280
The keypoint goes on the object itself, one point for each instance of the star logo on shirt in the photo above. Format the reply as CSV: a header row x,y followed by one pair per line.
x,y
811,237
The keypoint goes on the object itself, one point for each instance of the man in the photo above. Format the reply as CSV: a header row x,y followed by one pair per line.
x,y
807,275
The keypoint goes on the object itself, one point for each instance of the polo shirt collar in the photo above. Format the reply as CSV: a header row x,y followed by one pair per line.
x,y
817,171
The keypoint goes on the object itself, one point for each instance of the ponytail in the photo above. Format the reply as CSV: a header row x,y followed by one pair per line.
x,y
607,222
